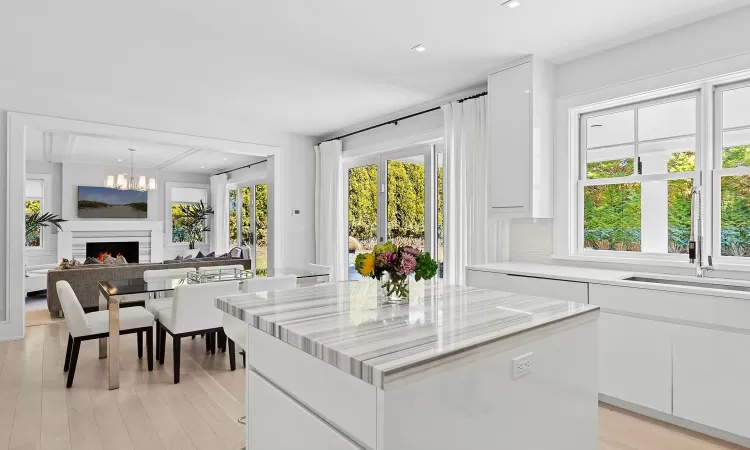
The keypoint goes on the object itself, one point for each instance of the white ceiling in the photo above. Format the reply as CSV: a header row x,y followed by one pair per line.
x,y
62,147
305,66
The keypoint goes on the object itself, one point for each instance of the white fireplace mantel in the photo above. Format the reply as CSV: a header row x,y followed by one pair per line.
x,y
149,233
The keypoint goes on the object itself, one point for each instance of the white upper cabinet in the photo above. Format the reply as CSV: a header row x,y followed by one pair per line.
x,y
520,126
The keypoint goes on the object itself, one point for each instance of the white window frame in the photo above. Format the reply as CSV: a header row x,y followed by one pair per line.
x,y
168,186
429,151
582,181
45,236
719,171
710,175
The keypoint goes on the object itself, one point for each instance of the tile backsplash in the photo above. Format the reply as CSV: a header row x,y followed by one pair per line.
x,y
531,240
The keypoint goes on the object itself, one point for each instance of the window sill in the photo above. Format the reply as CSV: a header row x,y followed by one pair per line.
x,y
38,250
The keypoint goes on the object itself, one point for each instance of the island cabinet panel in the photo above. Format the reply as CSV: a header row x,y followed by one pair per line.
x,y
635,361
338,397
571,291
277,422
473,402
712,379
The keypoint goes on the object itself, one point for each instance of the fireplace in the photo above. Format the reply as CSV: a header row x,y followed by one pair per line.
x,y
99,250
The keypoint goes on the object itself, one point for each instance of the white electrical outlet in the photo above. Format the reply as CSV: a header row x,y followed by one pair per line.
x,y
522,365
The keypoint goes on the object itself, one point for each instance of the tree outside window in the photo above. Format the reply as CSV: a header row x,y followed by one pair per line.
x,y
34,239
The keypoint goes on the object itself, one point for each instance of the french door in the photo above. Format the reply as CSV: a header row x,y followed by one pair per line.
x,y
248,222
392,197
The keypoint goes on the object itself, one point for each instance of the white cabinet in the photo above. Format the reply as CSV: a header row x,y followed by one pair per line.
x,y
298,429
712,379
521,98
635,359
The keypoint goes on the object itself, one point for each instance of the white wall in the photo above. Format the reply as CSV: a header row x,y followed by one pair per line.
x,y
706,49
298,231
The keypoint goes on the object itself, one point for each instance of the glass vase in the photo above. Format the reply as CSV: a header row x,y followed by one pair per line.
x,y
394,289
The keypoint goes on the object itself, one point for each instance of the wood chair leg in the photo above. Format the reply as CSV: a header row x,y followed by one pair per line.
x,y
222,342
232,362
73,361
67,353
156,327
140,344
163,345
213,343
150,348
176,353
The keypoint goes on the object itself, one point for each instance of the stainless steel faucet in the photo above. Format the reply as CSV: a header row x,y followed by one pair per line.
x,y
695,247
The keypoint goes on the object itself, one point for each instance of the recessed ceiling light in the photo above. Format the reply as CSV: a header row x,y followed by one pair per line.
x,y
119,159
226,159
512,4
203,167
419,48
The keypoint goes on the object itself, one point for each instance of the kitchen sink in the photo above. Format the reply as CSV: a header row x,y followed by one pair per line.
x,y
729,287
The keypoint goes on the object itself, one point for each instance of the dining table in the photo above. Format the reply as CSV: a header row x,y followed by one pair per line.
x,y
116,293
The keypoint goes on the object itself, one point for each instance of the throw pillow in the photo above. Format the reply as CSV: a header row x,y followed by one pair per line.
x,y
121,260
199,255
178,258
109,260
67,264
90,260
188,257
211,255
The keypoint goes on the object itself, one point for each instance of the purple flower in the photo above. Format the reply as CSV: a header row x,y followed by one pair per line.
x,y
386,260
408,264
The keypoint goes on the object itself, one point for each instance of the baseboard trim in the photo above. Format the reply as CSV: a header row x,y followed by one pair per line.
x,y
676,421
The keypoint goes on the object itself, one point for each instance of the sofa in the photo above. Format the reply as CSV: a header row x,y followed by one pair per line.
x,y
36,277
84,279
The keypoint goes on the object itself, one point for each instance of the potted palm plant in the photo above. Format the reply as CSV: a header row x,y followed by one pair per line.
x,y
194,221
35,221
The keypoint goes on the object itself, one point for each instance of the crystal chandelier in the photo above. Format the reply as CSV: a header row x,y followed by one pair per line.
x,y
126,182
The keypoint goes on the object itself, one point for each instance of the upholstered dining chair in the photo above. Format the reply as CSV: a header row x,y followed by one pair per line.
x,y
155,305
235,329
95,325
193,312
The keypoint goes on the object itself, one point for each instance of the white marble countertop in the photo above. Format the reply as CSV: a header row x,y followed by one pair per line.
x,y
557,272
344,324
618,278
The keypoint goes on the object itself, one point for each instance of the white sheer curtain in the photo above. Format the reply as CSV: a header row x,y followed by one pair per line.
x,y
470,237
330,234
220,219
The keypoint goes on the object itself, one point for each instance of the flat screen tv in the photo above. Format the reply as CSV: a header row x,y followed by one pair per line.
x,y
105,203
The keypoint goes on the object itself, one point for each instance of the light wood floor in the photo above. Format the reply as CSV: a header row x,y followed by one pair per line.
x,y
149,412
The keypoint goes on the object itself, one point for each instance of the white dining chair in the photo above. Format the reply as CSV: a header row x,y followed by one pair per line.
x,y
235,329
319,268
193,312
157,304
95,325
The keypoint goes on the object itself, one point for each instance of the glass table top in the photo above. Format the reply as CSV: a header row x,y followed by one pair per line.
x,y
169,283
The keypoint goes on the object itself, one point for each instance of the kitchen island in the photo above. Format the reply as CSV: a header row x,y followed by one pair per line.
x,y
329,367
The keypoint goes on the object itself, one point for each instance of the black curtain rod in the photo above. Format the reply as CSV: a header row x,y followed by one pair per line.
x,y
396,121
243,167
